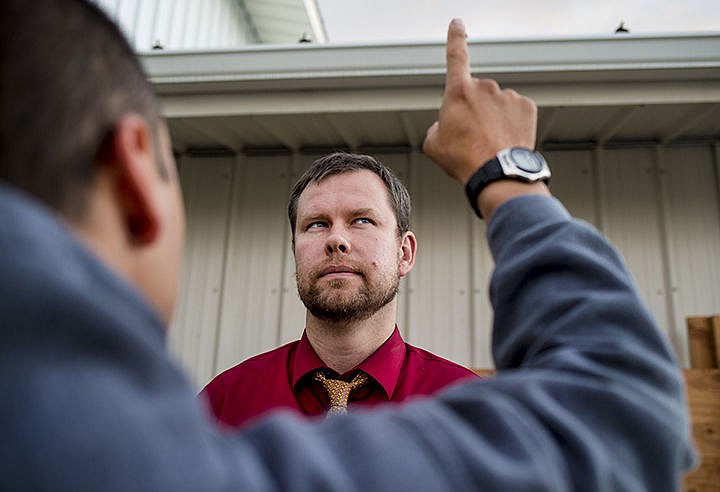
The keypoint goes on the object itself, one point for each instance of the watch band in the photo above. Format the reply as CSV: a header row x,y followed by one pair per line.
x,y
489,172
516,163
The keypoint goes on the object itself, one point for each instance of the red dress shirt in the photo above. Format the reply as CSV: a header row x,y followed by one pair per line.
x,y
283,378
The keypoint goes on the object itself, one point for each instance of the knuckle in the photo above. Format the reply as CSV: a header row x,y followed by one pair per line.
x,y
488,85
464,89
529,103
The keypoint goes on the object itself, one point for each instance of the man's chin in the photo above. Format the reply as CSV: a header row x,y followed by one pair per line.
x,y
336,306
336,315
337,283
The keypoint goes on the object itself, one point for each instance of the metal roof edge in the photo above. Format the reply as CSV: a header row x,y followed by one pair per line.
x,y
308,66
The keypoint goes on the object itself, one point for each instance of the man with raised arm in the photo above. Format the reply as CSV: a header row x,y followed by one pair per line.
x,y
587,396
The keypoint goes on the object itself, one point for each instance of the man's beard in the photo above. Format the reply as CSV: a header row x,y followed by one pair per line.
x,y
337,305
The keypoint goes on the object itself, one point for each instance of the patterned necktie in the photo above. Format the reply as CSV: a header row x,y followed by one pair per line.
x,y
339,391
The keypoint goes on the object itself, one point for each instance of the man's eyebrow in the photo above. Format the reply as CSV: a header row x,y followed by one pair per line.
x,y
364,211
312,216
354,212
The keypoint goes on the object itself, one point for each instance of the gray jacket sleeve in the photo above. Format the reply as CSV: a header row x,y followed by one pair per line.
x,y
587,396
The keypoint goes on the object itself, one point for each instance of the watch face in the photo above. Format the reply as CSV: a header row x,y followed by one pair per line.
x,y
526,160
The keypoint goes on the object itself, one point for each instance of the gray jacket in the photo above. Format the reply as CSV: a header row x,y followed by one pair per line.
x,y
587,397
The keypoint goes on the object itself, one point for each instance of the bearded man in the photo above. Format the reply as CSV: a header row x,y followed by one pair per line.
x,y
350,221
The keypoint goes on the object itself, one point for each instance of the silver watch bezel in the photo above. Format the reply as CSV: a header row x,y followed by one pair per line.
x,y
510,167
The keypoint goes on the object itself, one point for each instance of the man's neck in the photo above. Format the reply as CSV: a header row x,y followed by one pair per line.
x,y
344,345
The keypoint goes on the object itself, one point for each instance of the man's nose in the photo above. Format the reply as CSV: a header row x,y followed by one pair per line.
x,y
337,243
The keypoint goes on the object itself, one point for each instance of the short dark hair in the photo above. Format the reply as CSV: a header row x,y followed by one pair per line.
x,y
67,75
342,162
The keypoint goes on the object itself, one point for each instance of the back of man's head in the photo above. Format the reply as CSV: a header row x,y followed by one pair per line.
x,y
66,75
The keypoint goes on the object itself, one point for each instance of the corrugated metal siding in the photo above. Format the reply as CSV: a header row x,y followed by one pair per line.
x,y
691,180
250,319
442,274
180,24
659,205
207,185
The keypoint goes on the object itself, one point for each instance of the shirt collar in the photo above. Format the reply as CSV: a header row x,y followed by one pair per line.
x,y
306,360
383,365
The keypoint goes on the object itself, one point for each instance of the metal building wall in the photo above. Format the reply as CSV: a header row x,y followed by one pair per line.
x,y
659,205
180,24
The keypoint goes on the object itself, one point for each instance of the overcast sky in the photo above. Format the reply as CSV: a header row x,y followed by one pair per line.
x,y
415,20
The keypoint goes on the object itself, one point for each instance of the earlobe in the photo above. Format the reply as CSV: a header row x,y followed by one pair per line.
x,y
130,153
408,248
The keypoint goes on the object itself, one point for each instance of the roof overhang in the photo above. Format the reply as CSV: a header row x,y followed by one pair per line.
x,y
595,90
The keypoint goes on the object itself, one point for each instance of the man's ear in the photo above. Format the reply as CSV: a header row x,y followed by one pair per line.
x,y
408,248
128,155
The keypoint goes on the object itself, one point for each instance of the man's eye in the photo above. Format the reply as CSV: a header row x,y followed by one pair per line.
x,y
315,225
363,220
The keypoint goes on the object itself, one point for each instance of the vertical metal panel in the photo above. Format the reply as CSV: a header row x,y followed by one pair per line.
x,y
693,214
190,26
440,284
200,36
630,202
143,24
252,294
179,24
481,322
572,182
174,23
206,188
125,12
292,311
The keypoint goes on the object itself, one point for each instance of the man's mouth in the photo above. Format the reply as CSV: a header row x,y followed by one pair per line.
x,y
338,271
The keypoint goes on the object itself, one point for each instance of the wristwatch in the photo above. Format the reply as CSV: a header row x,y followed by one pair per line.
x,y
516,163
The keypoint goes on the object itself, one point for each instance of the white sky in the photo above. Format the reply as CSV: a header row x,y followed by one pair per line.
x,y
416,20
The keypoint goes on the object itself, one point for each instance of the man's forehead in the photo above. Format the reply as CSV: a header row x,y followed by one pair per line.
x,y
359,189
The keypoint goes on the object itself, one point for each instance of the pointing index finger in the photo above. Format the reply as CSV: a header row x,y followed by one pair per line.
x,y
457,59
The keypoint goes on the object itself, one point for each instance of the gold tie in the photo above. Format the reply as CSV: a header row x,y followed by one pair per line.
x,y
338,391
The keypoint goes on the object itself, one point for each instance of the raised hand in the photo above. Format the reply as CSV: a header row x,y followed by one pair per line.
x,y
477,118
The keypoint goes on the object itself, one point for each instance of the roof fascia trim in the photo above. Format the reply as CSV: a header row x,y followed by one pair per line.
x,y
424,63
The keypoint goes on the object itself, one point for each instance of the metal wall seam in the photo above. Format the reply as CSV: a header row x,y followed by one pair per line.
x,y
667,252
